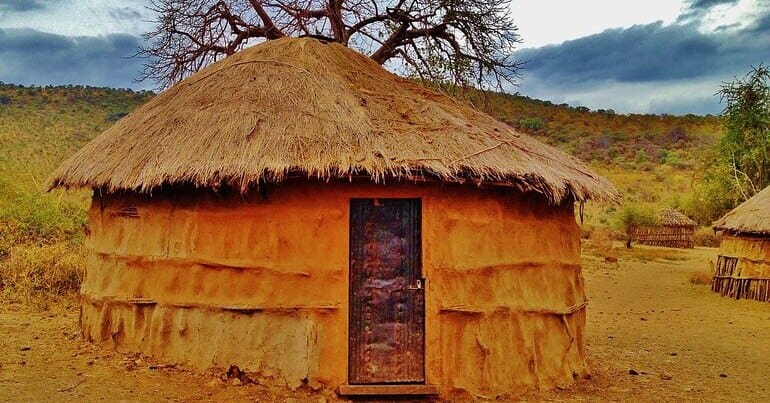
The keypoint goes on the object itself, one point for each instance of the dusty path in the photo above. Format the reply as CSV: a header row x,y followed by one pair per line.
x,y
643,315
647,316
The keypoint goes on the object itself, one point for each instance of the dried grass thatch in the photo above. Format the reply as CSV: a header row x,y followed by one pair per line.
x,y
673,218
303,107
751,217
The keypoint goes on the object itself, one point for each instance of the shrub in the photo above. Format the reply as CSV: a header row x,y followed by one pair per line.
x,y
114,117
531,123
632,217
43,218
701,278
705,236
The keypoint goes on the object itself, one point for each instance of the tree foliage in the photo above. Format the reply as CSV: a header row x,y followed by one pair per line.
x,y
746,143
739,165
460,41
632,217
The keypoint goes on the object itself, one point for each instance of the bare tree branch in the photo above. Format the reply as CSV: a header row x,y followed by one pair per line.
x,y
467,42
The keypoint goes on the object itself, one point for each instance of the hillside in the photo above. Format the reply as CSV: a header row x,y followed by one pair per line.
x,y
651,158
39,127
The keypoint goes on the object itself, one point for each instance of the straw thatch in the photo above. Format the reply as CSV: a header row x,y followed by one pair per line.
x,y
673,218
751,217
303,107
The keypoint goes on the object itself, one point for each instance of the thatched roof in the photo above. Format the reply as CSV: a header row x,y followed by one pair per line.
x,y
303,107
751,217
673,218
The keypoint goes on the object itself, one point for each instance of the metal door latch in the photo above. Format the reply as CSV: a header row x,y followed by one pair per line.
x,y
417,285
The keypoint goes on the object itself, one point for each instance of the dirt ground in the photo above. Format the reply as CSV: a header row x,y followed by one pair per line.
x,y
684,342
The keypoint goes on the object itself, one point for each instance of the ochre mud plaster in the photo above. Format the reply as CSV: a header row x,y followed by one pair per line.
x,y
210,280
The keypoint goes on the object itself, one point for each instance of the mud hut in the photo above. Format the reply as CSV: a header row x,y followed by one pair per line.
x,y
673,230
743,265
300,212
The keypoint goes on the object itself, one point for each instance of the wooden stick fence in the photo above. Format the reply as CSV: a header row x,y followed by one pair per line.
x,y
672,237
728,283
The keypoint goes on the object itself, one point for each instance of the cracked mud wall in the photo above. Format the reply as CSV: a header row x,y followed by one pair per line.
x,y
207,280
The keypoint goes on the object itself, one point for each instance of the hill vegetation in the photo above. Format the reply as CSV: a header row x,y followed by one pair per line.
x,y
652,159
41,233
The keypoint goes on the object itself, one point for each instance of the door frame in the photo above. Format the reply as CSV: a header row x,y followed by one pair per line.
x,y
351,299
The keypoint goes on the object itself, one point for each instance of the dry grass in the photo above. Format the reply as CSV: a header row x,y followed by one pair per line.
x,y
701,278
305,108
705,236
31,272
649,254
600,241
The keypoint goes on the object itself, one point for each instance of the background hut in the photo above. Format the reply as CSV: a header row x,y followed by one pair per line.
x,y
300,212
673,230
743,266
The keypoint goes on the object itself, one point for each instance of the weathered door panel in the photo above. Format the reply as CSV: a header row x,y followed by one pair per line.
x,y
387,303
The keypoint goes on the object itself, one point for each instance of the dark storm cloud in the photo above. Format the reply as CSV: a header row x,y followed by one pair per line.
x,y
32,57
706,4
21,5
643,53
648,55
125,13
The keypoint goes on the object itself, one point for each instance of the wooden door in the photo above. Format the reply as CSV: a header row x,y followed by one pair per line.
x,y
387,300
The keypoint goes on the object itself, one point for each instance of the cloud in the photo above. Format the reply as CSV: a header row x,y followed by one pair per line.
x,y
706,4
620,68
125,13
21,5
32,57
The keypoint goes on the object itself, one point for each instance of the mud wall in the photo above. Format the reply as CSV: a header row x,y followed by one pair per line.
x,y
207,280
753,254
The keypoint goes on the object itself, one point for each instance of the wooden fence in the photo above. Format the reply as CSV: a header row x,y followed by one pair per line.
x,y
729,283
671,237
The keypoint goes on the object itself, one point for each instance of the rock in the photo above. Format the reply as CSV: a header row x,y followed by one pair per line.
x,y
214,382
234,372
25,348
236,382
665,376
90,362
610,259
643,318
723,375
633,372
673,354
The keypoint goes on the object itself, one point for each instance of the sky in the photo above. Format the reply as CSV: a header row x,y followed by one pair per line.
x,y
651,56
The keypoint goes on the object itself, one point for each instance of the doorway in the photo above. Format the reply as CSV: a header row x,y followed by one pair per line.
x,y
387,292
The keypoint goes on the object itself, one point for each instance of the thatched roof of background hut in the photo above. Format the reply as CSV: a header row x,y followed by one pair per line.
x,y
673,218
751,217
303,107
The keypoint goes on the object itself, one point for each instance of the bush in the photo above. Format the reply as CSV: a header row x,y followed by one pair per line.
x,y
632,217
701,278
44,218
705,236
531,123
114,117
